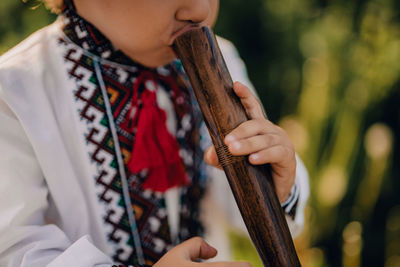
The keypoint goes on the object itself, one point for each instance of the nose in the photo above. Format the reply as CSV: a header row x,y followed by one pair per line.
x,y
195,11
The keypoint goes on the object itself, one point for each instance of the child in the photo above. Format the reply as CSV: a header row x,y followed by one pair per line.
x,y
103,143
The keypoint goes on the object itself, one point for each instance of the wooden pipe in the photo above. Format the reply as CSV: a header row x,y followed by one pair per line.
x,y
251,185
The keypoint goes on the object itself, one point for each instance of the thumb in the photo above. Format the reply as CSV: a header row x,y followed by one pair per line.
x,y
197,248
210,157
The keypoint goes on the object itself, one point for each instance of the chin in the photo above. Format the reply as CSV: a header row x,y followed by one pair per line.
x,y
162,60
168,57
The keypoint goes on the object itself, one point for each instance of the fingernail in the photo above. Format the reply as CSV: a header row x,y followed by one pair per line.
x,y
254,157
229,138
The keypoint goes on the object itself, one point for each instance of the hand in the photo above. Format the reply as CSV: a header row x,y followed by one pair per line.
x,y
193,249
263,141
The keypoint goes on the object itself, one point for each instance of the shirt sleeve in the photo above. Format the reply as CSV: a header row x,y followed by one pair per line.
x,y
26,239
294,207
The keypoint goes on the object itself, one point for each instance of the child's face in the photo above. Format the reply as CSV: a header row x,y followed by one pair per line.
x,y
145,29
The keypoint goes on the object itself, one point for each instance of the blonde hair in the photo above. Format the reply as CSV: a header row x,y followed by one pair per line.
x,y
54,5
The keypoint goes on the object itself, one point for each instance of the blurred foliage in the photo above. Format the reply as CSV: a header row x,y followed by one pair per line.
x,y
329,73
18,20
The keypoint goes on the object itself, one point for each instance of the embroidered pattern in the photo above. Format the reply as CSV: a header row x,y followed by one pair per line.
x,y
149,207
100,149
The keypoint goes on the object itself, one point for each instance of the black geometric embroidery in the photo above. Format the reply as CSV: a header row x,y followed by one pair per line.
x,y
149,207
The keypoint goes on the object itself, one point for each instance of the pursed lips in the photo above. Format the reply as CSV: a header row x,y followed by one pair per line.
x,y
182,31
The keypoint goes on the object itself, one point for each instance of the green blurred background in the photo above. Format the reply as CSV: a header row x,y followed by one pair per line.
x,y
329,73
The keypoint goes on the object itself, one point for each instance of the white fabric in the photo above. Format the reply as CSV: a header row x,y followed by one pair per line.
x,y
49,212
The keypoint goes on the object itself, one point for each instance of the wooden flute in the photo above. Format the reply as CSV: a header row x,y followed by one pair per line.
x,y
252,186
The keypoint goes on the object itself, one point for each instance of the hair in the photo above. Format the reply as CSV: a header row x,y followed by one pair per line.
x,y
54,5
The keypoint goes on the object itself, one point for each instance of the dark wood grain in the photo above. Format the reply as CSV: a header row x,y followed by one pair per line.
x,y
251,185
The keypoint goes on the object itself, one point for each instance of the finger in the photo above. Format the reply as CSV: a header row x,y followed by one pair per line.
x,y
249,101
275,154
254,144
251,128
197,248
226,264
211,158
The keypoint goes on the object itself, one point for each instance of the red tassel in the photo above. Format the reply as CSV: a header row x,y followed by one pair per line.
x,y
154,148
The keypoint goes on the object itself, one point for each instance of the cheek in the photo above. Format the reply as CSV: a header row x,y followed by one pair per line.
x,y
214,8
134,38
142,35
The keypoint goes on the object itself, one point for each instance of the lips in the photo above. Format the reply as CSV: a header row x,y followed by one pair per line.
x,y
183,30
